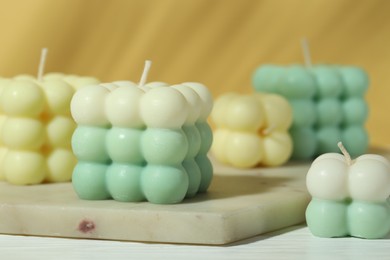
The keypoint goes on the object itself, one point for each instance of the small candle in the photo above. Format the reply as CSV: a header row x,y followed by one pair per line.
x,y
36,126
327,102
142,142
252,130
36,129
350,197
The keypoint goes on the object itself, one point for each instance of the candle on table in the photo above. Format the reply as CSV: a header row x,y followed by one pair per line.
x,y
36,128
252,130
327,101
141,142
350,197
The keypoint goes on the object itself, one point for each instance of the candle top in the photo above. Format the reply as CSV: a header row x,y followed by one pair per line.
x,y
155,104
298,81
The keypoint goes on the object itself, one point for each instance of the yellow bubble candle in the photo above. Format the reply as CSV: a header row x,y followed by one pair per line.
x,y
36,127
252,130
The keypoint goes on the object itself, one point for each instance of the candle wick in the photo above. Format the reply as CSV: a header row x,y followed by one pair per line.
x,y
306,52
145,73
268,130
42,62
345,153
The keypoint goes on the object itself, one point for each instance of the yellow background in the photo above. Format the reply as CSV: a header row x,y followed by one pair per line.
x,y
218,43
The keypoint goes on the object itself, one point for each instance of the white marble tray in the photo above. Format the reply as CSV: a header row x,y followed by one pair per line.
x,y
239,204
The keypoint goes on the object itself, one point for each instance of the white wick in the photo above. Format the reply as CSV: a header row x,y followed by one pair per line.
x,y
144,76
345,153
42,62
306,52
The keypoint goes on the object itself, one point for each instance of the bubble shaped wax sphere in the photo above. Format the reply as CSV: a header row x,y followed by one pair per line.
x,y
60,164
267,78
327,177
355,111
122,107
327,137
164,184
244,113
164,146
304,112
218,114
163,108
124,182
329,81
87,106
298,82
278,148
22,98
89,181
205,97
59,131
278,118
329,112
369,178
193,100
89,144
243,150
327,218
23,133
355,80
369,220
124,145
23,168
58,95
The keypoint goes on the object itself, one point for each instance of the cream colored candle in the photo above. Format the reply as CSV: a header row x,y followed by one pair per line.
x,y
252,130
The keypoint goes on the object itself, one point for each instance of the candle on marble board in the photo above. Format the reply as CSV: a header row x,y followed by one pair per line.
x,y
349,197
36,127
137,142
252,130
327,101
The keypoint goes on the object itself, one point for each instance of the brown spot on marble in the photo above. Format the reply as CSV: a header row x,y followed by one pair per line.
x,y
86,226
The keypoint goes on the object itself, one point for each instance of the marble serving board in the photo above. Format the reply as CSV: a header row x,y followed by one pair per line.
x,y
239,204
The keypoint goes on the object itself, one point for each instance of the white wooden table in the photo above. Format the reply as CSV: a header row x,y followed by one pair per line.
x,y
292,243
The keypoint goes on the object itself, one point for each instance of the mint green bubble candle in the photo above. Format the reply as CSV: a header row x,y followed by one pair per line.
x,y
142,142
350,197
328,105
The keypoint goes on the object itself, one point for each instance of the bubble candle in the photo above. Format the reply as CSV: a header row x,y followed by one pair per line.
x,y
142,142
327,101
350,197
252,130
36,127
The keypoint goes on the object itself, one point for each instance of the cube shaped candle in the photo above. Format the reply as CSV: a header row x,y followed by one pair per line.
x,y
328,105
36,128
142,143
252,130
350,197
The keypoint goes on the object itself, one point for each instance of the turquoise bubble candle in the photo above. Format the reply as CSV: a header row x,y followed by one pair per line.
x,y
328,105
142,142
350,197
